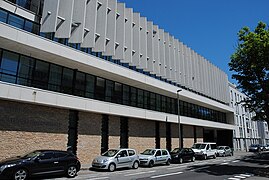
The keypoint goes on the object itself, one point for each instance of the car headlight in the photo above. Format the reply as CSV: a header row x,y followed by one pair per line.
x,y
6,166
104,161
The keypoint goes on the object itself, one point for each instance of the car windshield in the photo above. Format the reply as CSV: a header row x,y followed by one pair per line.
x,y
198,146
220,147
32,154
149,152
110,153
176,150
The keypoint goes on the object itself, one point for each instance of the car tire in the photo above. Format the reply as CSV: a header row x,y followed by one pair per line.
x,y
193,159
180,160
20,174
151,163
135,165
168,162
72,171
111,167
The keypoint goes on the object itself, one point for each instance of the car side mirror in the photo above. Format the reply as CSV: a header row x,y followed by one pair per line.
x,y
118,156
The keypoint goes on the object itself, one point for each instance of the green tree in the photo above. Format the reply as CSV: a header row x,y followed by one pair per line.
x,y
250,62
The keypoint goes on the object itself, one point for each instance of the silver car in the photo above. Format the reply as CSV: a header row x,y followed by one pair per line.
x,y
224,151
116,158
150,157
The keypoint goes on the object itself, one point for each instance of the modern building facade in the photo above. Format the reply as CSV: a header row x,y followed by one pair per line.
x,y
263,132
93,75
246,131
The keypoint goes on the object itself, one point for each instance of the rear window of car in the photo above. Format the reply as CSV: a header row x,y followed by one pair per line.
x,y
164,152
60,154
131,152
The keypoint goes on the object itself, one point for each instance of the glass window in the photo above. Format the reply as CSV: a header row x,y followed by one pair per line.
x,y
9,65
133,96
67,81
60,154
100,88
41,75
109,90
158,102
126,94
117,94
140,98
131,152
90,82
164,152
146,100
25,71
55,78
16,21
80,84
46,156
163,99
3,16
31,27
173,106
168,105
152,101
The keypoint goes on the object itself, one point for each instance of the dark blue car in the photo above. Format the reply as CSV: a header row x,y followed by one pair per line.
x,y
40,163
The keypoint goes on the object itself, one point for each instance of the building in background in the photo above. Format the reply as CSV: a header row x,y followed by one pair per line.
x,y
263,132
93,75
246,131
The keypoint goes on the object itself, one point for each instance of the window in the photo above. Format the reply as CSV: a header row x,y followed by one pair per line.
x,y
131,152
46,156
168,105
126,94
60,155
67,81
55,78
158,153
133,96
100,88
9,65
117,93
90,82
163,99
80,84
25,71
109,90
152,101
146,100
140,98
16,21
164,152
3,16
158,102
123,153
41,75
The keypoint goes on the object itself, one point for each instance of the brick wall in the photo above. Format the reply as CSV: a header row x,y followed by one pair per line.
x,y
188,136
114,132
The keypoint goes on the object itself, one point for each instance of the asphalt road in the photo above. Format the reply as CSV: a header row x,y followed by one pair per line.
x,y
222,168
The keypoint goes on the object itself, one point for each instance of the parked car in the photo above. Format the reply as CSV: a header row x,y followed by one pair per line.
x,y
179,155
40,163
150,157
224,151
116,158
267,147
256,148
205,150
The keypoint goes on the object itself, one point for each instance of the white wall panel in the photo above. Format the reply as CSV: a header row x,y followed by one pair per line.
x,y
167,56
181,64
176,43
136,40
172,58
64,20
150,46
120,32
50,14
78,22
162,53
101,25
128,39
110,29
143,43
156,52
90,24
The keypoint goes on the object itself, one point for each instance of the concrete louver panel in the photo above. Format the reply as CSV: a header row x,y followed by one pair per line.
x,y
143,43
172,58
156,52
176,69
206,76
120,32
110,28
167,56
64,23
78,22
195,71
50,15
101,25
198,73
128,39
90,24
186,66
162,53
181,64
136,40
150,46
202,74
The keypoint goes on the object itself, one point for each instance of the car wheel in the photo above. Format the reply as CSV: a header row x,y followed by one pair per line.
x,y
20,174
71,171
193,159
111,167
180,160
205,157
168,162
151,163
135,165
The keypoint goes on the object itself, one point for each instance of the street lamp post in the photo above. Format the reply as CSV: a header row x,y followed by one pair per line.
x,y
178,119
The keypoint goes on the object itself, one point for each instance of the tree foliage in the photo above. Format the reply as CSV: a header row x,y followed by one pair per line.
x,y
250,62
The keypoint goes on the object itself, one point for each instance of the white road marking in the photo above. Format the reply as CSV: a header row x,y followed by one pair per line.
x,y
246,175
98,178
224,163
163,175
241,177
133,174
177,167
233,178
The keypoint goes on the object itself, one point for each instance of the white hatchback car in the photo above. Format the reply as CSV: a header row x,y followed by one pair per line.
x,y
150,157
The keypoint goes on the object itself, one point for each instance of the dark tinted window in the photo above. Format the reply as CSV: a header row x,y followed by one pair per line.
x,y
126,94
133,96
9,66
16,21
164,152
140,98
80,84
25,71
131,152
109,90
100,88
55,78
67,80
3,16
90,82
60,154
117,93
158,153
41,75
123,153
46,156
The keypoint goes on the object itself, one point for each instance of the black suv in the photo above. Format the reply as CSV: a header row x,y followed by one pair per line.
x,y
40,163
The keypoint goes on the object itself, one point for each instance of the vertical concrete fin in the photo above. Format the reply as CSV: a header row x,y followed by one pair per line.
x,y
50,15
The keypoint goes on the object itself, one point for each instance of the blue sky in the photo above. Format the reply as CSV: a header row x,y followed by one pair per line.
x,y
209,27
